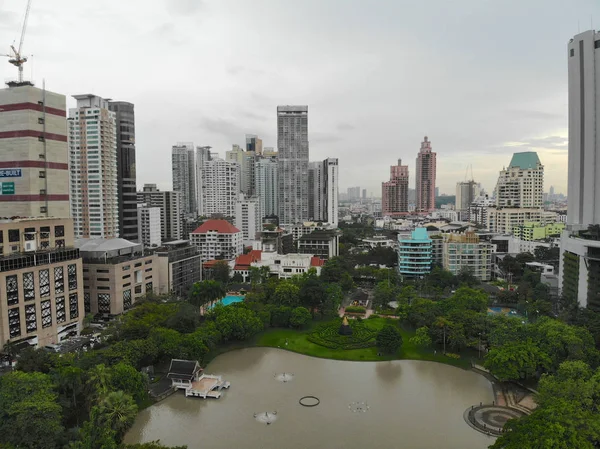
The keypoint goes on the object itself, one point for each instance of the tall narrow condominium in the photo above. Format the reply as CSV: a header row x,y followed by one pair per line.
x,y
93,167
292,146
126,184
220,187
579,271
426,169
202,154
266,186
394,193
184,176
323,191
34,171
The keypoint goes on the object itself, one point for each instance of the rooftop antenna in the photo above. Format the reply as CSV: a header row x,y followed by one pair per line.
x,y
16,57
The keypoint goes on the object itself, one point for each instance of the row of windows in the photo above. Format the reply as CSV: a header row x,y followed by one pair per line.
x,y
12,284
31,323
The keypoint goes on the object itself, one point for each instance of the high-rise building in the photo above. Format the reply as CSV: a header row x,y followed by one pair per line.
x,y
323,203
126,179
169,202
353,193
292,146
220,187
34,170
467,252
247,218
415,253
521,185
254,144
266,186
426,172
184,176
93,168
218,239
579,271
466,192
202,154
149,225
394,193
364,194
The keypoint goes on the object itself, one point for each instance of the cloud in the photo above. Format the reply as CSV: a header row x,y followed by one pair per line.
x,y
345,127
320,137
535,115
223,127
184,7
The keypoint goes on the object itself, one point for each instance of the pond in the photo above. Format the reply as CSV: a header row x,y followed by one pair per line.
x,y
400,404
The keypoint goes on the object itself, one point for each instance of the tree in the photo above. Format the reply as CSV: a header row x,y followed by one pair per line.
x,y
421,337
118,411
124,377
384,294
517,361
333,299
37,360
206,292
389,339
151,445
30,416
286,294
97,384
465,277
221,272
69,382
95,434
236,322
573,382
336,270
300,316
312,294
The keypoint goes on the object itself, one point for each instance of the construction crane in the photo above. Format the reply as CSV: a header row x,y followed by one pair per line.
x,y
16,57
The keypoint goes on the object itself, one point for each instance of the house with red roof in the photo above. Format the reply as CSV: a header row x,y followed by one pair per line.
x,y
218,239
245,261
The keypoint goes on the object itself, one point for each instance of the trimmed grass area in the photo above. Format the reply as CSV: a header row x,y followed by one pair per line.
x,y
297,341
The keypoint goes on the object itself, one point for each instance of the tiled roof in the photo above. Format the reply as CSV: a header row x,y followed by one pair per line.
x,y
244,261
316,262
220,226
183,369
526,160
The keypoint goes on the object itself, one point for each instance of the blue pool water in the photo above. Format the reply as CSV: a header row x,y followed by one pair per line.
x,y
230,300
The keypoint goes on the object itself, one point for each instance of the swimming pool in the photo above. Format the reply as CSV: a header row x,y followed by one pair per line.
x,y
230,299
509,311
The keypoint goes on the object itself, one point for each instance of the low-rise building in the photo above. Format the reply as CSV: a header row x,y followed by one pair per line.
x,y
180,267
116,273
505,220
530,231
284,266
324,244
218,239
41,282
579,270
378,241
467,251
415,253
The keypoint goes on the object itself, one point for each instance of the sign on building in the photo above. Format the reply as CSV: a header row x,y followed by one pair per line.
x,y
10,172
7,188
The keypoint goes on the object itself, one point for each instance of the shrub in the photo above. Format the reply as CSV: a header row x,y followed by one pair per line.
x,y
355,309
327,335
452,355
389,339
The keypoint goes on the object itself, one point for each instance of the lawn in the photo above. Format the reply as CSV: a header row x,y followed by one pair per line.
x,y
296,341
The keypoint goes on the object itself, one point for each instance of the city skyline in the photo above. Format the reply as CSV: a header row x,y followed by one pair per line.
x,y
239,94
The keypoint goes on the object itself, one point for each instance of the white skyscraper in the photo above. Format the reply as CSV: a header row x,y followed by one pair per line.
x,y
202,154
331,168
149,229
220,186
292,146
184,176
266,186
521,184
247,218
93,168
169,204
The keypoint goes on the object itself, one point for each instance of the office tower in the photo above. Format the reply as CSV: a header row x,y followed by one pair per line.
x,y
126,178
93,168
521,185
353,193
466,192
246,161
292,146
579,269
202,154
394,193
236,155
437,192
254,144
266,186
323,204
169,202
220,187
551,192
247,218
34,170
149,228
364,194
184,176
426,171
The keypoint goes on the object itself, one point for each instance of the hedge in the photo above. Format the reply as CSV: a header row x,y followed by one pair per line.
x,y
355,309
328,335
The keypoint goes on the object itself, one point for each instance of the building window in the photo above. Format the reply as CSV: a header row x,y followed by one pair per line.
x,y
73,306
30,318
72,271
104,302
87,302
28,286
43,209
44,283
59,231
42,174
138,289
59,280
41,120
596,45
13,235
12,290
46,314
149,287
127,299
14,323
61,316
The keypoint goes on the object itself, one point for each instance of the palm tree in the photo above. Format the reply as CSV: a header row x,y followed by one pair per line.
x,y
118,411
97,383
206,292
443,323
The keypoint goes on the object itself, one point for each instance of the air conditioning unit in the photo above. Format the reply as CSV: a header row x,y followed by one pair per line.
x,y
30,245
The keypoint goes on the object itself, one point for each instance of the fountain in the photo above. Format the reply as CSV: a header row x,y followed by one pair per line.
x,y
284,377
266,417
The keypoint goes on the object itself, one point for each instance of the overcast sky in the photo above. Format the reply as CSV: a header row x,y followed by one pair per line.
x,y
481,78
